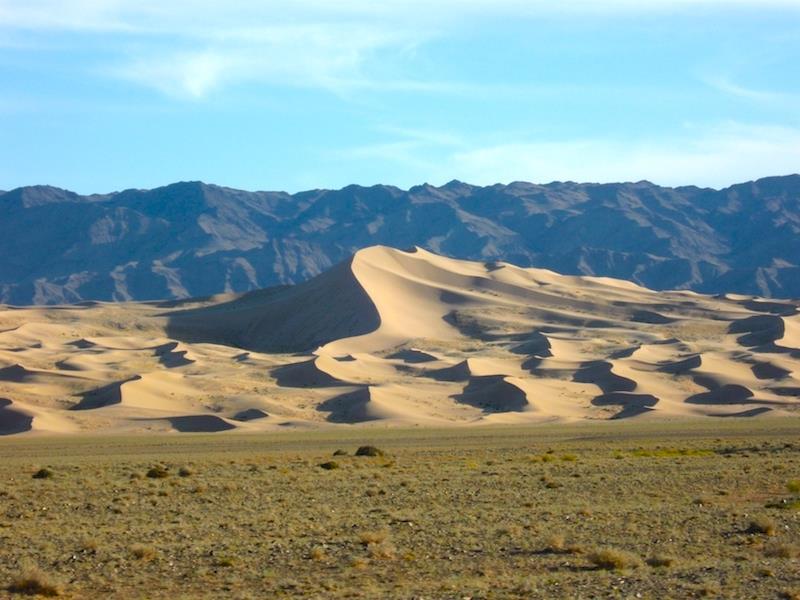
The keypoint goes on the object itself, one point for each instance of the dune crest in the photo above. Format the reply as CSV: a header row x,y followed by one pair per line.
x,y
395,337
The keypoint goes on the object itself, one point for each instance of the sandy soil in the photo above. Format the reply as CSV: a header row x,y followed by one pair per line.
x,y
402,339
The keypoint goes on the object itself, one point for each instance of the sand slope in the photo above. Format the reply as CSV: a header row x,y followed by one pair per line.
x,y
399,338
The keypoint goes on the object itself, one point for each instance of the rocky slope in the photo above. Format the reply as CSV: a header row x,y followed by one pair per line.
x,y
192,239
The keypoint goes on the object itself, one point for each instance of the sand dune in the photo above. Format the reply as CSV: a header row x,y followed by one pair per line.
x,y
399,338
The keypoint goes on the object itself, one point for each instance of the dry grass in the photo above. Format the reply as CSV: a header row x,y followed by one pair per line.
x,y
612,559
454,513
32,581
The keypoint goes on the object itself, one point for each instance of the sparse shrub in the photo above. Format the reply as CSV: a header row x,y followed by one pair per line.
x,y
373,537
660,560
224,562
33,582
330,465
43,474
185,472
143,552
383,550
611,559
569,458
557,544
158,472
340,452
369,451
318,553
782,551
762,525
793,486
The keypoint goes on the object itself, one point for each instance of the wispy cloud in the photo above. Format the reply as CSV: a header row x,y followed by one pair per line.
x,y
727,86
191,48
713,156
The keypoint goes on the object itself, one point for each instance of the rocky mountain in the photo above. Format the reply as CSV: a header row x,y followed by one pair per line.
x,y
194,239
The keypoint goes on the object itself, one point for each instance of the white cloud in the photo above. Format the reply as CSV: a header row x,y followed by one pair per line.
x,y
190,48
726,86
715,156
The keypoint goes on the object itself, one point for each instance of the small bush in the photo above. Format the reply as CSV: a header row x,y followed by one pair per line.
x,y
383,550
369,451
43,474
793,486
763,525
614,560
330,465
158,472
373,537
185,472
557,544
659,560
340,452
782,551
318,553
142,552
33,582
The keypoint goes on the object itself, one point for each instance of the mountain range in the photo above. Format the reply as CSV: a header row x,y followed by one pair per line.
x,y
192,239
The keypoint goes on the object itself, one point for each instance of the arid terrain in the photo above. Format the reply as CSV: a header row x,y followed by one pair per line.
x,y
700,508
398,338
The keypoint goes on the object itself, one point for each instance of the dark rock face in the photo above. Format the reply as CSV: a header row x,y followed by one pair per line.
x,y
193,239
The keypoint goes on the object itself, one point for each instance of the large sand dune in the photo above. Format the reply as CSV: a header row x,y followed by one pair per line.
x,y
399,338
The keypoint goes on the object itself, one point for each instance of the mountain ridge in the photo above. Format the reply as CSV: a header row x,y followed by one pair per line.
x,y
196,239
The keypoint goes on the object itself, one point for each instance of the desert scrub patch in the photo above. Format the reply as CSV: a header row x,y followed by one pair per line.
x,y
384,550
373,537
158,472
340,452
782,551
670,452
793,486
762,525
329,465
143,552
43,473
660,561
557,544
32,581
611,559
185,471
369,451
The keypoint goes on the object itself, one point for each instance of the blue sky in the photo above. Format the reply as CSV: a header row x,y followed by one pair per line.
x,y
97,96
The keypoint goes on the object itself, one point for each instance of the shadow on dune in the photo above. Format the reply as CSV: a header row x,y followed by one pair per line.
x,y
304,374
493,394
200,424
600,374
286,319
13,421
350,407
632,404
730,393
103,396
760,332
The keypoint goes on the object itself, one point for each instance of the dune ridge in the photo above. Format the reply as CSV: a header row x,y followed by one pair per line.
x,y
395,337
